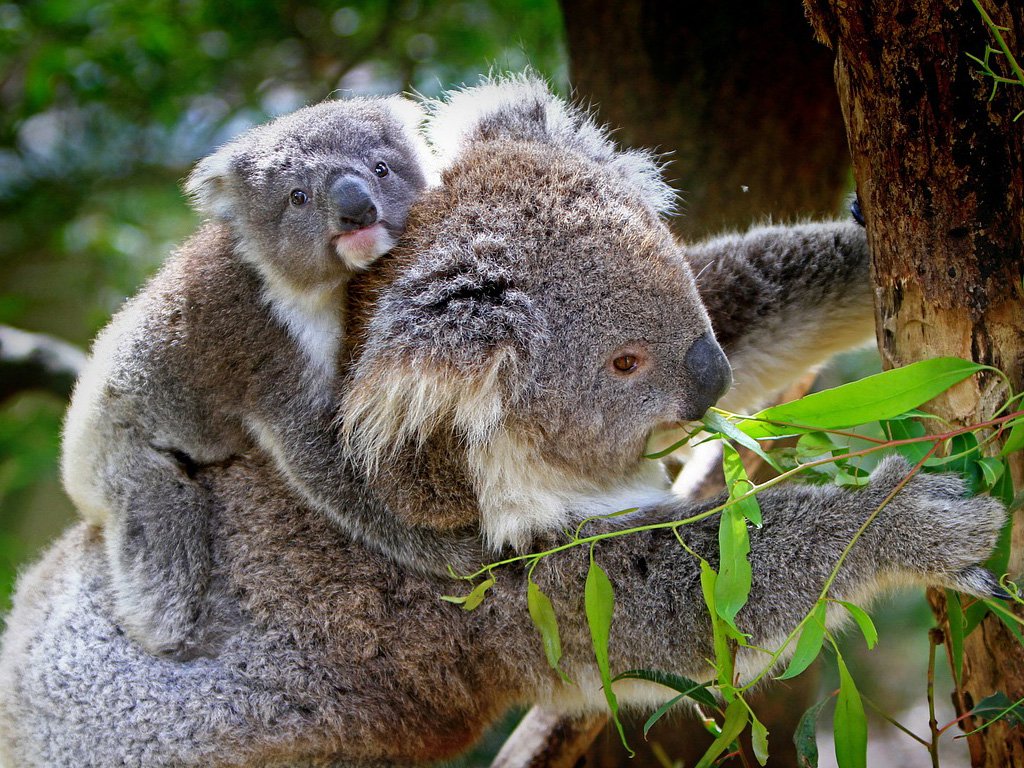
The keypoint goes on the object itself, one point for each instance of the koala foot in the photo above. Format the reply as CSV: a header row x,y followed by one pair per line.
x,y
934,532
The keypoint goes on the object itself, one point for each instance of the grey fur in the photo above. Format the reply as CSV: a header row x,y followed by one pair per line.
x,y
233,343
518,281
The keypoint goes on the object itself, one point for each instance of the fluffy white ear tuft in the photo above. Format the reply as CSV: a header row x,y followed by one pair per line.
x,y
210,185
412,115
522,107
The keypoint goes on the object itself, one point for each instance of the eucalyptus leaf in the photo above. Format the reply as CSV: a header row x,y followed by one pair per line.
x,y
660,712
543,615
759,739
849,723
723,658
715,422
599,602
809,645
736,717
732,587
805,736
1015,440
739,484
867,627
998,706
473,599
683,685
885,395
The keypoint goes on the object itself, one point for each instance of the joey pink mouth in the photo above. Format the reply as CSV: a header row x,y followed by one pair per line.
x,y
359,247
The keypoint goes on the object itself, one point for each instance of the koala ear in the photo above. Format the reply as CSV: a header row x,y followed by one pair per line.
x,y
448,347
411,116
522,107
210,186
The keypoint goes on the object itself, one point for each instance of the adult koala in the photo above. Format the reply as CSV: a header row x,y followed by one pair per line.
x,y
509,361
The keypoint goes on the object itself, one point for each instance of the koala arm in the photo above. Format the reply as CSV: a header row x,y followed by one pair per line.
x,y
929,533
784,299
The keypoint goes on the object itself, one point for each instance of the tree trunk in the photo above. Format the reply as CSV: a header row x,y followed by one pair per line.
x,y
940,174
738,93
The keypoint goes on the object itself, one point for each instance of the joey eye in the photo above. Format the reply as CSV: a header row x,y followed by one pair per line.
x,y
625,363
381,170
298,197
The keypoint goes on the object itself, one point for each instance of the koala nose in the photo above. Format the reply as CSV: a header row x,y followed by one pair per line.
x,y
356,208
710,374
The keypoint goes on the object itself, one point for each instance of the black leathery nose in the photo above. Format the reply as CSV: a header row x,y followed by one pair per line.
x,y
354,201
710,375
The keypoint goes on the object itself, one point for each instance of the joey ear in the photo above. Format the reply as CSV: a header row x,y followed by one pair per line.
x,y
449,346
411,116
210,186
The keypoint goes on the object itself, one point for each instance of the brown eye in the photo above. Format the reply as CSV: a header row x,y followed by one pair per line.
x,y
625,363
381,170
298,197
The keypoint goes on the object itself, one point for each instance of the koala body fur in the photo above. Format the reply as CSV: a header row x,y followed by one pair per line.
x,y
509,360
233,343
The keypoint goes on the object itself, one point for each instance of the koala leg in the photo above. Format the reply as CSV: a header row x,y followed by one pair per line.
x,y
158,543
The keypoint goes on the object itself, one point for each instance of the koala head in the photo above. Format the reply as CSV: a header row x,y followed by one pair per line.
x,y
319,192
539,309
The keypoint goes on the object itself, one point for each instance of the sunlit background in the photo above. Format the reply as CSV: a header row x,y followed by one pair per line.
x,y
104,106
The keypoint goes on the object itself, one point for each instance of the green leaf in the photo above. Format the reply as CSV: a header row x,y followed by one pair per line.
x,y
599,601
473,599
809,645
991,470
805,736
867,627
682,685
999,707
543,615
723,658
849,723
739,484
1015,440
759,739
905,429
660,712
715,422
955,614
1006,617
732,587
885,395
736,716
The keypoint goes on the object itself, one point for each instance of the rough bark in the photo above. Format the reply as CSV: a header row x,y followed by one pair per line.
x,y
940,174
738,93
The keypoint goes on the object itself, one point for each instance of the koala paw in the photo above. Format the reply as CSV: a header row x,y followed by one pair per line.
x,y
934,532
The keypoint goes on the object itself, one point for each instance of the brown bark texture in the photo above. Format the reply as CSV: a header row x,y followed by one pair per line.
x,y
738,93
940,174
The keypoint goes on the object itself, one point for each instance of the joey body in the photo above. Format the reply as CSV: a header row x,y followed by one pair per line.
x,y
233,344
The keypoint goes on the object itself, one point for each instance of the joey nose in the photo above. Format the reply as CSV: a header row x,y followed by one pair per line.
x,y
709,374
354,200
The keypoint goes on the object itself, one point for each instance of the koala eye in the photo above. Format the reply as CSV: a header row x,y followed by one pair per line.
x,y
625,363
381,170
298,197
628,361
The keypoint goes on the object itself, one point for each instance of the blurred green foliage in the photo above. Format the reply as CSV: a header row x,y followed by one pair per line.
x,y
104,106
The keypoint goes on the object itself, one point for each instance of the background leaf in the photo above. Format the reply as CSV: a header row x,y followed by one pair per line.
x,y
736,716
599,599
849,723
809,645
543,615
805,736
885,395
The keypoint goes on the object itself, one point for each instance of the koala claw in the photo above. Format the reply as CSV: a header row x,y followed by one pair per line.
x,y
979,581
